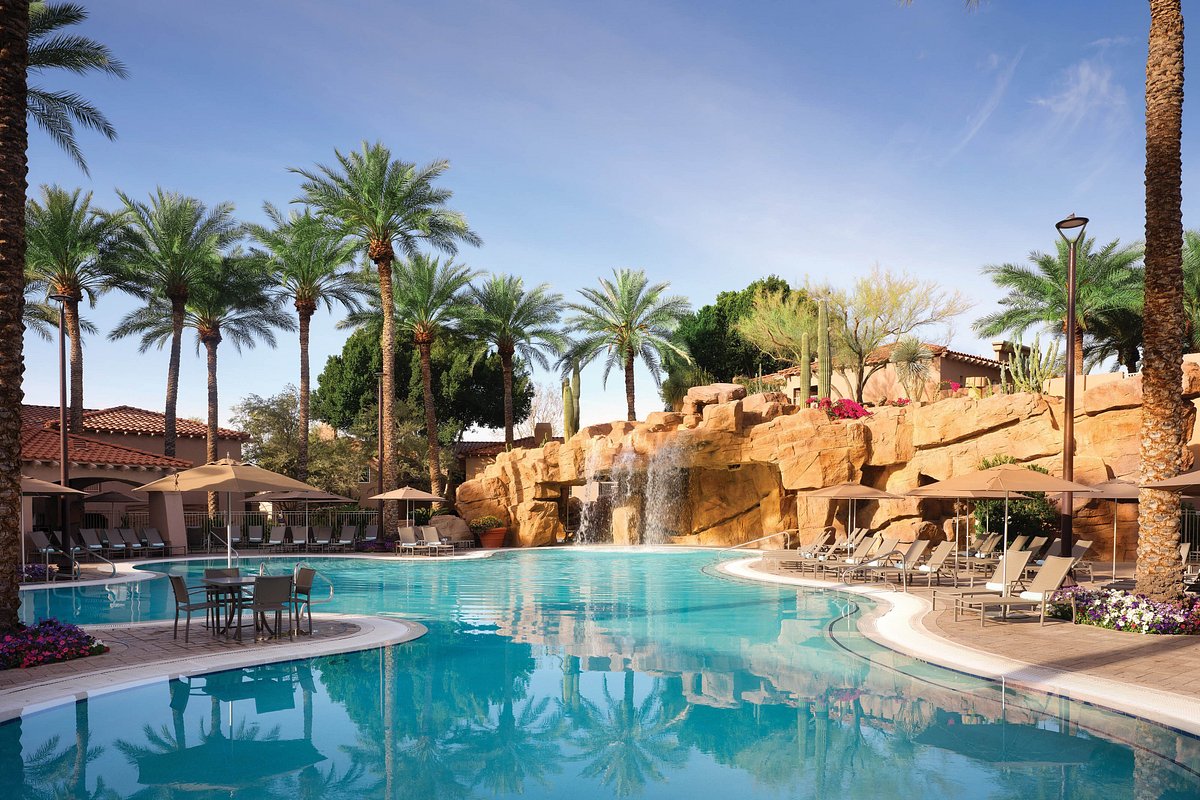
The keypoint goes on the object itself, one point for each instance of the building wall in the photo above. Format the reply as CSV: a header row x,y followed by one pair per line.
x,y
884,384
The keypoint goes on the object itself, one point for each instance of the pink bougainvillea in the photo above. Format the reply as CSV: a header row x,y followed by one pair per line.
x,y
840,409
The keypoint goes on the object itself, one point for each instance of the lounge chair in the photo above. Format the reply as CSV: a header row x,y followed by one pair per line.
x,y
301,536
434,543
346,537
185,603
1049,579
302,585
370,534
791,559
43,545
91,538
113,543
887,554
272,594
254,536
157,543
908,562
132,543
933,567
858,555
321,537
275,537
1011,567
407,541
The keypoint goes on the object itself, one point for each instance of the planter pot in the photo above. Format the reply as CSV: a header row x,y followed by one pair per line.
x,y
493,537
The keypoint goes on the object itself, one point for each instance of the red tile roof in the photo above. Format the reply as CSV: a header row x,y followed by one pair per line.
x,y
41,444
881,355
129,419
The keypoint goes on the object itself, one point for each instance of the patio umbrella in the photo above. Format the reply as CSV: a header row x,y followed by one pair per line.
x,y
1015,744
936,490
1007,479
113,497
221,764
290,496
853,492
33,487
227,476
409,495
1115,490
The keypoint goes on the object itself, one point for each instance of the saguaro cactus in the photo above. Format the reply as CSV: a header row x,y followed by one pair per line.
x,y
805,369
824,353
570,393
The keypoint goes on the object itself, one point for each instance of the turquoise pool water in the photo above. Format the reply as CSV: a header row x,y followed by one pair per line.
x,y
580,674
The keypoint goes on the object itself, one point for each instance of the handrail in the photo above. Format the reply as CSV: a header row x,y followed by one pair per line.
x,y
237,557
111,565
787,542
879,562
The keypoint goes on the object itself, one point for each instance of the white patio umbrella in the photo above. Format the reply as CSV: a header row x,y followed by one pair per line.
x,y
409,495
1007,479
231,477
1115,490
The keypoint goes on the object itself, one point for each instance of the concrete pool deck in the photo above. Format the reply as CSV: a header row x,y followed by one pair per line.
x,y
1155,677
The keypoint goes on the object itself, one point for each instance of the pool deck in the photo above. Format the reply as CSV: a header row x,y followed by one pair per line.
x,y
1157,677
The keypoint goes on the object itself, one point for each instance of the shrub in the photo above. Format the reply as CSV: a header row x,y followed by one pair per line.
x,y
1036,516
38,572
485,523
840,409
47,642
1125,611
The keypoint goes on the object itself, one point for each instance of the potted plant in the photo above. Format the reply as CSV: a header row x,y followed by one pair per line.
x,y
490,529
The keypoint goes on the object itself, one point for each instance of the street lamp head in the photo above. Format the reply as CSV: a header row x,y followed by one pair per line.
x,y
1074,225
59,297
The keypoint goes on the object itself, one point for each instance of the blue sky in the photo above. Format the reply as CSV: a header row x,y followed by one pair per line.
x,y
708,143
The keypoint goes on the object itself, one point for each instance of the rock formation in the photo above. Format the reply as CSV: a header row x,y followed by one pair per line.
x,y
740,465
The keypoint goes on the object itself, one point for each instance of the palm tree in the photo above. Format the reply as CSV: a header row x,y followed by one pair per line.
x,y
14,56
1108,280
310,261
630,318
233,301
1116,334
65,239
165,248
515,322
429,301
385,204
911,359
57,113
1191,289
1163,421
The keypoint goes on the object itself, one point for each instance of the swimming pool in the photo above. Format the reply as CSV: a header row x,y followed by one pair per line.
x,y
581,673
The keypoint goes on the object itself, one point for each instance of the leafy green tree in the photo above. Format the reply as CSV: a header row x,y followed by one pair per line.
x,y
51,48
776,324
710,334
515,321
312,263
1109,279
627,318
386,203
166,247
232,301
66,238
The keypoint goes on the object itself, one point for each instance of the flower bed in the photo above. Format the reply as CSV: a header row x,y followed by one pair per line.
x,y
1125,611
38,572
47,642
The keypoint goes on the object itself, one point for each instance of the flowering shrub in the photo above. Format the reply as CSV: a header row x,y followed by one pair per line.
x,y
47,642
954,385
384,545
899,402
485,523
1125,611
38,572
840,409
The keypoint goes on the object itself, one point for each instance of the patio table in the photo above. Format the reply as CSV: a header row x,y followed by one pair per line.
x,y
233,587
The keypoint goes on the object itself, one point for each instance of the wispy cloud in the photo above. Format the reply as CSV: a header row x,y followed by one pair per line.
x,y
1004,75
1106,42
1087,93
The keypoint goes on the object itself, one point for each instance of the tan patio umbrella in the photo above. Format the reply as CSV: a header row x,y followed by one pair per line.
x,y
1187,483
1008,479
409,495
936,490
38,488
853,492
227,476
1115,490
319,497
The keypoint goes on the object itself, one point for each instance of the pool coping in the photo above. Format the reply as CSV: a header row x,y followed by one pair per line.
x,y
901,628
373,632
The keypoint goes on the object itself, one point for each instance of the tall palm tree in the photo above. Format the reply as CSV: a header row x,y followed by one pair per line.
x,y
234,301
14,57
515,321
1109,280
1191,289
1158,567
56,112
386,204
429,301
65,240
312,265
166,247
629,318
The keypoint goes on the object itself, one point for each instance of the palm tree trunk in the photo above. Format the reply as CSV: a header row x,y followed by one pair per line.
x,y
210,346
387,347
1129,357
72,315
305,313
506,366
1159,571
14,55
630,411
1077,342
431,430
177,309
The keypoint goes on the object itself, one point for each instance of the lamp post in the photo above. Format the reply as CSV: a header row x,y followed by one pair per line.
x,y
379,454
64,470
1071,230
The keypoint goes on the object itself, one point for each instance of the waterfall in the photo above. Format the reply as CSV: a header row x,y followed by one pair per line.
x,y
591,522
665,494
654,489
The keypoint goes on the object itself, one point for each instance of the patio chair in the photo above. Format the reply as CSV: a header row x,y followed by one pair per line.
x,y
321,537
301,536
1011,567
132,543
275,538
791,559
184,603
907,563
113,543
434,543
254,536
370,534
272,594
407,541
302,585
1049,579
91,539
1019,542
886,554
346,537
43,545
155,541
933,567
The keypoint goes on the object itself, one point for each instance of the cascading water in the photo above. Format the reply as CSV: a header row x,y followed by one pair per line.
x,y
644,498
665,493
591,520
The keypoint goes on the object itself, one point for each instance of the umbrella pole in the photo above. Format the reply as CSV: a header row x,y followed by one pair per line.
x,y
1004,553
22,534
229,530
957,541
1114,539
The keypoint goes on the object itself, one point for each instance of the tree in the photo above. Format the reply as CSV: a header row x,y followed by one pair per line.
x,y
1191,289
310,261
14,57
630,319
385,204
1108,282
65,239
911,360
882,307
164,249
777,324
516,322
544,407
1163,419
57,113
232,301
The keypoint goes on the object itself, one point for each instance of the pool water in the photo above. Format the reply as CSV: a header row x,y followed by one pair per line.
x,y
576,673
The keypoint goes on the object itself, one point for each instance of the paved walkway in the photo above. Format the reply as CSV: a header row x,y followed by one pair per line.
x,y
1164,663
